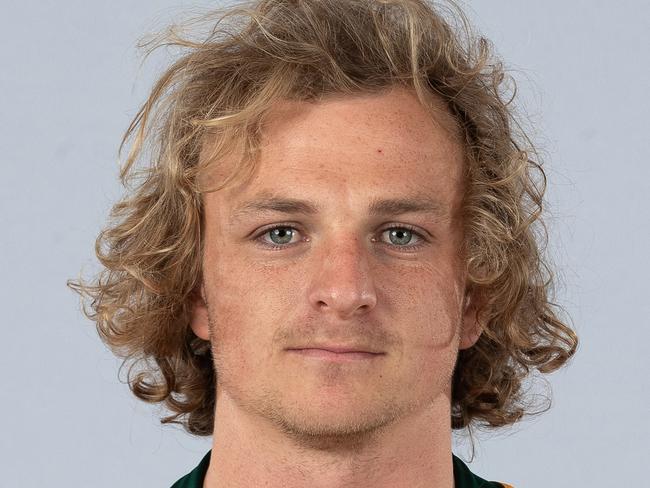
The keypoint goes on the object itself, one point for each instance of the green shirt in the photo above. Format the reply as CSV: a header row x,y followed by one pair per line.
x,y
463,477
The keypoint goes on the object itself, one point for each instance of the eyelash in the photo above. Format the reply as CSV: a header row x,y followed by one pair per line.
x,y
276,247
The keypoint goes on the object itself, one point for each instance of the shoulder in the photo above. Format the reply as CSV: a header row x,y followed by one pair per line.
x,y
464,478
194,479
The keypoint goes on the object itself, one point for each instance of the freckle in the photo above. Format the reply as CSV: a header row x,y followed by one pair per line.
x,y
379,150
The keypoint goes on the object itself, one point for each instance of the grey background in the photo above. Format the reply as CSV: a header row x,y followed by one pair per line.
x,y
69,85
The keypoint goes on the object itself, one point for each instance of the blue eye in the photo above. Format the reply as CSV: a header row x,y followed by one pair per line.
x,y
281,235
399,237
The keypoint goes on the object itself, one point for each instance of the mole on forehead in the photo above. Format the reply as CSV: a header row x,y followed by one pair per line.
x,y
435,107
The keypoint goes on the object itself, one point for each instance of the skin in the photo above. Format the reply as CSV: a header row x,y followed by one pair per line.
x,y
285,419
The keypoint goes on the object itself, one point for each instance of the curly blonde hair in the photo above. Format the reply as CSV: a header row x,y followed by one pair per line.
x,y
251,56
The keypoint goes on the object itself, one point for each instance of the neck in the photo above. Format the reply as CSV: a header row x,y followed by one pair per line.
x,y
414,451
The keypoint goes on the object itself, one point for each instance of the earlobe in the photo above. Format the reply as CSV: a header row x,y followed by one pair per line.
x,y
199,314
472,326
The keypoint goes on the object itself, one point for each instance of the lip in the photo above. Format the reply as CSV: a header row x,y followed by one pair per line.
x,y
336,348
336,353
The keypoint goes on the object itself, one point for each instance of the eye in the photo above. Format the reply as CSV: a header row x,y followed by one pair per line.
x,y
278,237
399,237
402,236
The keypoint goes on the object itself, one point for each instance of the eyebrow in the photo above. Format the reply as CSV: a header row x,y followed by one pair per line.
x,y
378,207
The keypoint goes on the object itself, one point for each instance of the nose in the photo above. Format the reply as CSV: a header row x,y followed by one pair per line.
x,y
342,283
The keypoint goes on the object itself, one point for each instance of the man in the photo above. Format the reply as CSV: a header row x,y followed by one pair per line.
x,y
331,260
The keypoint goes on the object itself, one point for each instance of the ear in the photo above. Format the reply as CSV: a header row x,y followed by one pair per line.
x,y
199,314
472,326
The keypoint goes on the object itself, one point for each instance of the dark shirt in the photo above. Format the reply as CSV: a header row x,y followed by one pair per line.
x,y
463,477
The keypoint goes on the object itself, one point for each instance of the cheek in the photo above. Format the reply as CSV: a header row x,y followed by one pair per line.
x,y
429,311
247,304
426,303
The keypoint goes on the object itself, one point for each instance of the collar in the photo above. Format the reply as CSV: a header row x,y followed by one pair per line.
x,y
463,477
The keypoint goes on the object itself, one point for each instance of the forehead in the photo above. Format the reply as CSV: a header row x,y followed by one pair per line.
x,y
383,143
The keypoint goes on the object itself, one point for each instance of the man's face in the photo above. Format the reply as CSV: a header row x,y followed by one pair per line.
x,y
367,260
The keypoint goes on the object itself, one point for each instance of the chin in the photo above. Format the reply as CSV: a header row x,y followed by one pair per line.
x,y
334,433
334,424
